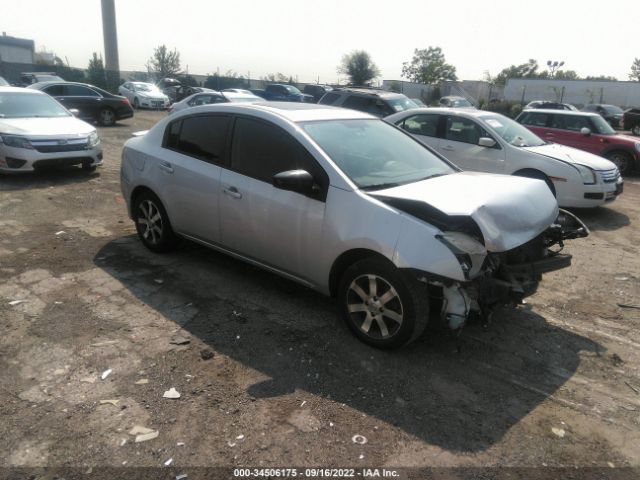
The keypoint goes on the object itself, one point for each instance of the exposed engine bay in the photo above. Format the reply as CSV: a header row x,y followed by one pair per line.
x,y
508,277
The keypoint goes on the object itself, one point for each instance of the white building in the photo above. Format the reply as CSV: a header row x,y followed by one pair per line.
x,y
16,50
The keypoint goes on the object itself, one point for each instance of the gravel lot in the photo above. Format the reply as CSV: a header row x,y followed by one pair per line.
x,y
267,373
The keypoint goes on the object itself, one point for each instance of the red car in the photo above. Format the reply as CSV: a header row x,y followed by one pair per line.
x,y
585,131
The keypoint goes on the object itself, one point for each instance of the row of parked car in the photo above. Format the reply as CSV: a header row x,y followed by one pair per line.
x,y
429,212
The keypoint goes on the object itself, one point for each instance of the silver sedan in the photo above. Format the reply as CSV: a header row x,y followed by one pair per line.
x,y
349,205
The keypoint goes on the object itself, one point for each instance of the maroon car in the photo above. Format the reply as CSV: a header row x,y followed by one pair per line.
x,y
586,131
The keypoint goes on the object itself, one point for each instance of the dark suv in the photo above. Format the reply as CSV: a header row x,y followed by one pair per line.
x,y
586,131
376,102
316,91
92,103
631,120
611,113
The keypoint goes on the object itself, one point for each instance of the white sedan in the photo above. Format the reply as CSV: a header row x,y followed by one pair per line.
x,y
212,96
144,95
484,141
36,131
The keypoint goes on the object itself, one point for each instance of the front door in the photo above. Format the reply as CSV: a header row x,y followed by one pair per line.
x,y
279,228
460,145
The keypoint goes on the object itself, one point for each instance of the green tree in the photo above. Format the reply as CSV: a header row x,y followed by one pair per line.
x,y
359,67
566,75
635,70
428,66
164,63
96,74
524,70
275,78
606,78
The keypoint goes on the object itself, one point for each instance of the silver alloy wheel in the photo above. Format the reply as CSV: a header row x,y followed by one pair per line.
x,y
151,218
373,302
107,117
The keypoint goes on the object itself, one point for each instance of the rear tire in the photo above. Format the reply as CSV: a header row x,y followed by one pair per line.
x,y
622,160
107,117
152,223
381,305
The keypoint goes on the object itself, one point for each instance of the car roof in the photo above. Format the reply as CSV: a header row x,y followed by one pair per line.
x,y
8,89
450,111
368,91
292,111
561,112
236,94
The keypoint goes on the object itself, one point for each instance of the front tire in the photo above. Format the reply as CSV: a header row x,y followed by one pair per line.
x,y
382,306
136,103
152,223
622,160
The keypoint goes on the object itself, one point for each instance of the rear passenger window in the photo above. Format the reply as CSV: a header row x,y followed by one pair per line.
x,y
573,123
421,125
54,90
202,137
329,99
535,119
261,150
357,103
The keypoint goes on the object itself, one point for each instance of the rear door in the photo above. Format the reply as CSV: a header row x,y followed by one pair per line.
x,y
460,145
276,227
193,150
424,127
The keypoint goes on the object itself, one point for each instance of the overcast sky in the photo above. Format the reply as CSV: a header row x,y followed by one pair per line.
x,y
307,39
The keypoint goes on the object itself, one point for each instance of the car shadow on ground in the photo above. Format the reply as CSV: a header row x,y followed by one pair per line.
x,y
46,177
602,218
459,393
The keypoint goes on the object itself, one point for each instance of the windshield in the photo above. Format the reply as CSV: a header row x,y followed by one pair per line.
x,y
22,105
512,132
401,104
293,90
612,109
374,154
602,126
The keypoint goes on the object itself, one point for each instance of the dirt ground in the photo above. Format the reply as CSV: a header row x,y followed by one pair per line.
x,y
268,374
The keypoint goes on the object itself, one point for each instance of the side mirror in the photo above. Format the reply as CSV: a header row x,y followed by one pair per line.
x,y
585,131
74,111
486,142
299,181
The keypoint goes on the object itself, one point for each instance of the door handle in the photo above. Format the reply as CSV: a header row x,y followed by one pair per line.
x,y
232,192
166,167
449,148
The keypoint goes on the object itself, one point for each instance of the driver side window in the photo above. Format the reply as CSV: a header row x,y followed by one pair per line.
x,y
460,129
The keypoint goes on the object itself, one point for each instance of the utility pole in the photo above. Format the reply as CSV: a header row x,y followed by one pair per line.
x,y
110,34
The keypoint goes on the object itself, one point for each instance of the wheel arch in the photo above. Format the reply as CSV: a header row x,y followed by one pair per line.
x,y
535,173
345,260
625,149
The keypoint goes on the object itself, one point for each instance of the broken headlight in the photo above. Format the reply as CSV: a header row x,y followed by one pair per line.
x,y
469,252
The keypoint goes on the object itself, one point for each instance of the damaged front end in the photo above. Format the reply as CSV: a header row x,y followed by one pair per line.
x,y
501,278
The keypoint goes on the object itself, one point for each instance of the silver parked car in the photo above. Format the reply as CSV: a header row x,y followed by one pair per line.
x,y
347,204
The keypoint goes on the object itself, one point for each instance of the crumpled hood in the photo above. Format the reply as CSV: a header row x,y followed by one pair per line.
x,y
67,127
509,211
572,155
